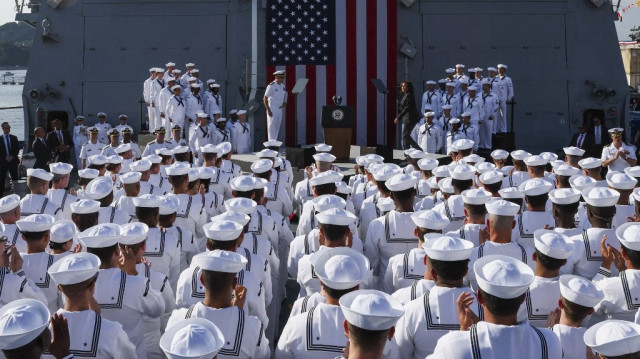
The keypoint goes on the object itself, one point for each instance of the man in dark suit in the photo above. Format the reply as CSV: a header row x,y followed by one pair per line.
x,y
8,156
600,135
59,142
40,151
583,140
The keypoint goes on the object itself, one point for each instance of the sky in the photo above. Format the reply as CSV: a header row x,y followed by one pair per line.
x,y
629,19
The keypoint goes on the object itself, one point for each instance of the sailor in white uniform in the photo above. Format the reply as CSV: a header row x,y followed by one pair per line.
x,y
450,101
473,105
369,210
505,94
592,167
618,155
191,213
37,201
475,216
519,174
148,99
491,104
491,181
101,190
435,313
577,294
406,268
219,133
277,199
194,102
58,192
431,100
168,74
103,127
214,102
624,184
275,100
90,148
453,206
192,338
176,110
61,239
122,294
241,134
499,158
551,252
9,214
423,190
454,134
430,135
244,334
80,136
470,129
200,137
502,279
90,332
536,192
158,143
14,282
564,207
157,107
613,339
131,189
35,231
176,140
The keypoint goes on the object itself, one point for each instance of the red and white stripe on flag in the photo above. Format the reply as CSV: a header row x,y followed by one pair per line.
x,y
366,48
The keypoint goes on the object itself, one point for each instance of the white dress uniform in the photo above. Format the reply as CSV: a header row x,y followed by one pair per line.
x,y
277,96
416,290
109,150
621,295
220,183
362,192
127,299
64,198
572,341
587,256
454,102
14,286
403,270
190,291
214,104
515,179
230,167
474,107
262,270
492,341
35,267
308,222
14,237
218,136
110,214
187,243
505,93
80,136
470,232
163,251
278,200
176,111
192,216
303,192
302,305
213,203
541,299
93,335
39,204
151,147
259,245
244,334
103,128
387,236
431,100
194,105
453,209
452,137
146,95
173,143
511,249
156,87
619,164
264,224
491,105
527,223
163,98
430,138
200,137
428,318
241,138
471,132
368,212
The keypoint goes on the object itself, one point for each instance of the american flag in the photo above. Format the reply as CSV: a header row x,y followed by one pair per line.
x,y
339,45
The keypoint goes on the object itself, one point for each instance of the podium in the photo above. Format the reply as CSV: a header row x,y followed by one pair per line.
x,y
337,124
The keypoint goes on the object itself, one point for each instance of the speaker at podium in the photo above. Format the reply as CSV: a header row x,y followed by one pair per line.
x,y
337,124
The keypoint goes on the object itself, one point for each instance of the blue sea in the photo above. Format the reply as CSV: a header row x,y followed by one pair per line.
x,y
10,96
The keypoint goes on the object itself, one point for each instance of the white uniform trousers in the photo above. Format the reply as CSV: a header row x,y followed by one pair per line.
x,y
500,124
273,123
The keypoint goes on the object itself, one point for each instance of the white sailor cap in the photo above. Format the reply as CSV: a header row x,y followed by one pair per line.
x,y
613,338
178,169
261,183
336,216
342,268
99,188
442,81
328,201
511,193
485,81
580,290
633,171
555,163
218,260
502,276
503,66
450,84
242,183
176,87
279,73
491,68
266,153
172,79
22,321
440,171
169,205
209,148
573,151
463,144
565,195
401,182
449,70
447,107
600,196
233,216
552,244
193,338
9,202
158,69
484,167
386,204
476,196
180,149
462,172
62,231
211,81
343,188
463,81
195,85
154,159
326,177
629,235
35,223
223,230
431,82
60,168
415,153
201,114
140,165
261,166
164,152
192,78
429,219
39,173
169,64
427,164
466,114
272,143
446,185
85,206
581,182
491,177
385,171
89,173
74,268
446,248
590,162
193,174
566,170
133,233
535,187
215,85
195,71
324,157
190,64
500,207
115,159
153,69
130,177
471,88
98,160
499,154
458,66
535,160
205,173
371,309
520,155
242,205
147,201
100,236
473,158
622,181
636,194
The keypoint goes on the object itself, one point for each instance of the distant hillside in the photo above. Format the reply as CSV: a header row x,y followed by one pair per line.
x,y
15,43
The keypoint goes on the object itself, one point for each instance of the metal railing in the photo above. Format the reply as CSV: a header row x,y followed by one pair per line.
x,y
22,5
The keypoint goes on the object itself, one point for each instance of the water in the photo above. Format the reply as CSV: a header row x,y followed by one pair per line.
x,y
11,95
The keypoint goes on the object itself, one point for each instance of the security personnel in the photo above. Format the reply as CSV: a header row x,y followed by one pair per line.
x,y
505,94
491,105
158,143
430,99
200,137
244,334
58,193
241,135
80,136
275,100
91,147
103,128
37,201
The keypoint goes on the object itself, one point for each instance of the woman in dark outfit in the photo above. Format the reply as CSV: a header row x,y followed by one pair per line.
x,y
408,114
